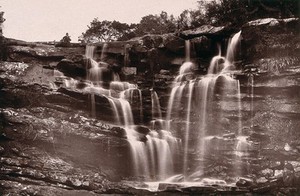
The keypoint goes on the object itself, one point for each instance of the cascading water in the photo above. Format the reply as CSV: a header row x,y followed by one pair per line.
x,y
193,101
151,152
216,63
156,110
232,47
157,120
196,108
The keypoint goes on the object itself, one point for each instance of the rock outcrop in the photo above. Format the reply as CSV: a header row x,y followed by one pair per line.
x,y
270,37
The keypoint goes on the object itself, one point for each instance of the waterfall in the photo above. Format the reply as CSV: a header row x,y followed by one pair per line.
x,y
195,110
187,50
152,151
187,128
174,103
104,48
93,105
113,105
239,105
134,96
95,72
232,47
196,100
156,111
127,113
251,84
231,50
90,51
216,63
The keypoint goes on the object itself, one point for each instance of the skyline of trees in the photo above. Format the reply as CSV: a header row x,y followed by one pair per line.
x,y
216,12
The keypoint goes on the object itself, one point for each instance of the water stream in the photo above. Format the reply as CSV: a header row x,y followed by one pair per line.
x,y
192,123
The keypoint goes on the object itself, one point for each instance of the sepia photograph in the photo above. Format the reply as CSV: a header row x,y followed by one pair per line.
x,y
149,98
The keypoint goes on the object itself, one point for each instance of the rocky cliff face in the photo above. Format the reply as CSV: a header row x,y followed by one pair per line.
x,y
49,143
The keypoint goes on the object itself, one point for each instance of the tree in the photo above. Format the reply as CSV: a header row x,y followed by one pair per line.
x,y
106,31
156,24
238,12
274,8
226,12
184,20
189,19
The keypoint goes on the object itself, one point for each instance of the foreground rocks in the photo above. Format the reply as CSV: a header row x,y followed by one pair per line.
x,y
49,148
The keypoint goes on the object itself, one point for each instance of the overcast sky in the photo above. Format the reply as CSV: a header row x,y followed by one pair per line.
x,y
48,20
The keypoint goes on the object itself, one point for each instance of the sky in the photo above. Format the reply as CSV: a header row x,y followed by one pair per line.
x,y
49,20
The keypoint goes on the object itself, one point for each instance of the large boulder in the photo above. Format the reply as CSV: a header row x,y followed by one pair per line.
x,y
72,68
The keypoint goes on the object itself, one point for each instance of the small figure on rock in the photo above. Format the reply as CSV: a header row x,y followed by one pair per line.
x,y
66,38
65,41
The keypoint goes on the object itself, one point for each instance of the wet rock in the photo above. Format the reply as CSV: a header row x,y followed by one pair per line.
x,y
142,138
267,187
261,180
225,122
71,68
244,182
169,186
263,189
296,165
142,129
289,179
209,181
158,124
288,191
176,178
129,72
199,190
289,167
135,184
75,182
276,165
119,132
229,136
257,136
258,129
164,72
124,190
278,173
246,131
